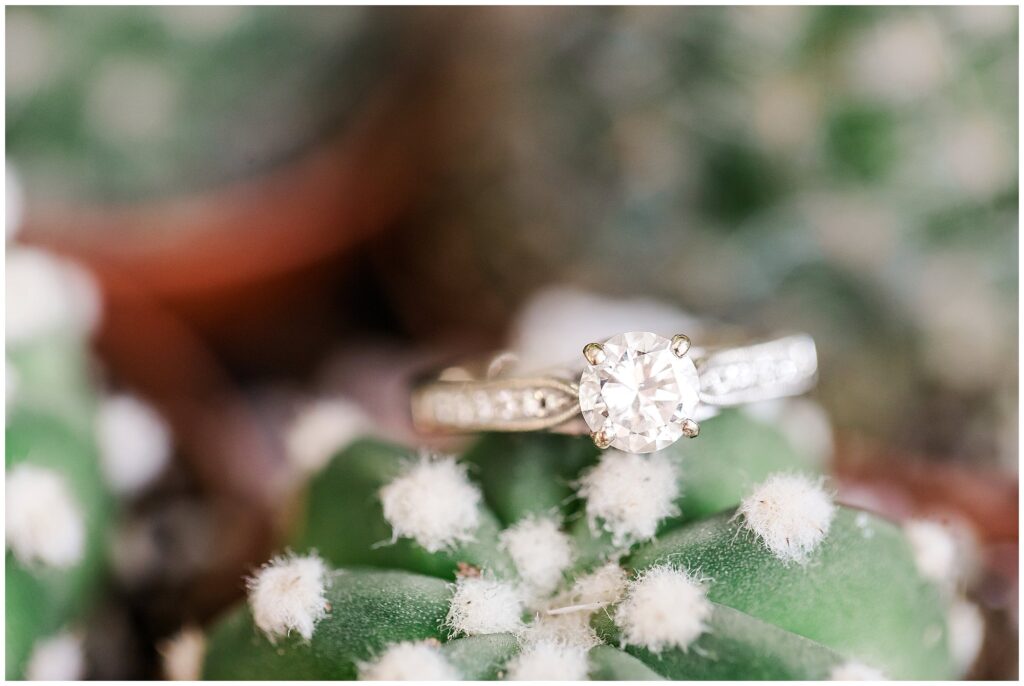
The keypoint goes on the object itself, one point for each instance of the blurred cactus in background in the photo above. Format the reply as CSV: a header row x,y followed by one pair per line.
x,y
57,507
69,454
119,104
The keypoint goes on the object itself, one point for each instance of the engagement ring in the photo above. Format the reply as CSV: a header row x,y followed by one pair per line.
x,y
637,392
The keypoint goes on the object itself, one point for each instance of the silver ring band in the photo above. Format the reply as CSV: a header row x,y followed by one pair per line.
x,y
461,400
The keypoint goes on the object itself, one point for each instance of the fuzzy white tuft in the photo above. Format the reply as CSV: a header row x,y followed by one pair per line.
x,y
183,655
565,619
790,513
46,293
410,661
628,495
966,634
57,658
320,430
604,586
288,594
484,606
935,550
44,524
549,661
564,627
541,551
664,608
432,502
856,671
134,442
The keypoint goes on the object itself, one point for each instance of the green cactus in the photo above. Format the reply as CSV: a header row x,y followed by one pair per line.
x,y
52,375
722,592
56,496
371,467
44,598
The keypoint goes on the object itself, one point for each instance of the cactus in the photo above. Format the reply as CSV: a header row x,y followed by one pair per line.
x,y
60,506
57,505
68,454
57,511
53,306
389,579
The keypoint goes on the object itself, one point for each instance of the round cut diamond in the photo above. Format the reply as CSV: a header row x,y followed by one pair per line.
x,y
639,392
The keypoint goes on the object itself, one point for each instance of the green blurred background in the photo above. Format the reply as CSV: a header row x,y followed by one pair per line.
x,y
280,201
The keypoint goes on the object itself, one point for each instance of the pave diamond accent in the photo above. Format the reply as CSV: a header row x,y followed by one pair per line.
x,y
766,370
476,406
640,392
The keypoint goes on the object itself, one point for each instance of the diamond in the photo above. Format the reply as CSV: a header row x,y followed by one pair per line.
x,y
484,409
639,393
508,405
532,406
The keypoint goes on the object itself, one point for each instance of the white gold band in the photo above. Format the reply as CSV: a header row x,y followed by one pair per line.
x,y
458,401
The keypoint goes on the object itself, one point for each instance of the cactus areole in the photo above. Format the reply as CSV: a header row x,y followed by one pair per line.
x,y
538,585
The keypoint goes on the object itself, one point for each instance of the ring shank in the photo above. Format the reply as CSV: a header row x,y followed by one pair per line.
x,y
761,371
458,402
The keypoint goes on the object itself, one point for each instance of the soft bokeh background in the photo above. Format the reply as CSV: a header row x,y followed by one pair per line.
x,y
278,204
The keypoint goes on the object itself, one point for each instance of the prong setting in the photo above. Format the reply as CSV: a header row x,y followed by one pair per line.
x,y
594,352
680,344
601,439
690,428
664,389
